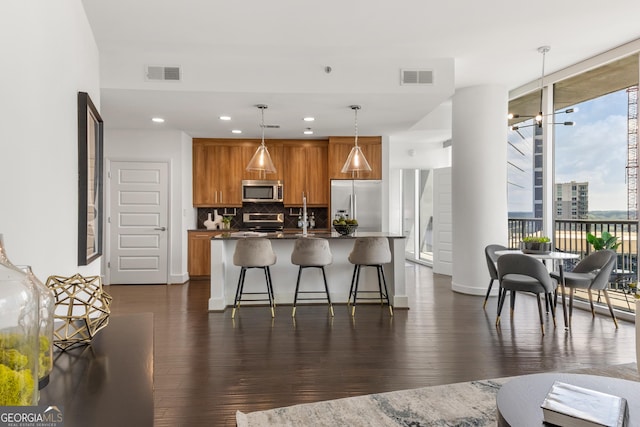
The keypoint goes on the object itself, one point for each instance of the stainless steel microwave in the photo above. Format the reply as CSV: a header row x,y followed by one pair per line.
x,y
256,191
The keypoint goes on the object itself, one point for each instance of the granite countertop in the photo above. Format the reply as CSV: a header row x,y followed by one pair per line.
x,y
316,233
286,230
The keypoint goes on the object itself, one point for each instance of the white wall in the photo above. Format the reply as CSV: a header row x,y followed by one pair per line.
x,y
189,213
173,147
48,55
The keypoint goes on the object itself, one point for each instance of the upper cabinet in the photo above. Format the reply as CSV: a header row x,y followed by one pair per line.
x,y
304,166
339,149
306,172
204,174
218,169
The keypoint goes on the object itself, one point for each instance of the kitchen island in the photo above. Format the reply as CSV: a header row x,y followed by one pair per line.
x,y
224,274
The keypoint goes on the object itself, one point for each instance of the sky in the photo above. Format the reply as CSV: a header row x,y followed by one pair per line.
x,y
593,151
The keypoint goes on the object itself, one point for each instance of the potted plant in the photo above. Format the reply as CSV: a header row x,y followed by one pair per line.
x,y
536,244
605,241
226,222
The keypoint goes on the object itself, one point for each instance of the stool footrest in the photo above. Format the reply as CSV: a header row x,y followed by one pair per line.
x,y
240,294
382,292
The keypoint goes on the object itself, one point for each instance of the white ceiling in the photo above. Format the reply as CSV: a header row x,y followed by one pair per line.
x,y
236,54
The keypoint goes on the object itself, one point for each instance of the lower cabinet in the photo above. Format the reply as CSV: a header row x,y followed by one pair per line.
x,y
199,261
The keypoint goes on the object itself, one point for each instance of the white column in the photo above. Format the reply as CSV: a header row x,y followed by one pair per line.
x,y
479,183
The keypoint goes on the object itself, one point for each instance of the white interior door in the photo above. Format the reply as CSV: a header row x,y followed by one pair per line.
x,y
138,220
442,222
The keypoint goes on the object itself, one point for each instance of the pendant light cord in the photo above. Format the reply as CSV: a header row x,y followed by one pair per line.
x,y
543,50
544,54
262,124
356,126
355,108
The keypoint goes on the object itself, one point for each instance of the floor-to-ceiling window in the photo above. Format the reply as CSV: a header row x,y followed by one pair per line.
x,y
594,165
525,195
595,153
417,222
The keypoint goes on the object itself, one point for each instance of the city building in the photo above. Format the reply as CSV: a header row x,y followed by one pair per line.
x,y
571,200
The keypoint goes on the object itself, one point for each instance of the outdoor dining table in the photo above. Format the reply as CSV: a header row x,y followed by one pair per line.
x,y
553,256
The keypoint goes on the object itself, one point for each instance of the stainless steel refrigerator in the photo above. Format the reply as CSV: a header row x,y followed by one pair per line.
x,y
361,199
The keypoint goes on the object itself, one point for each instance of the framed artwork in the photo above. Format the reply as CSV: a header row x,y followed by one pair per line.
x,y
90,206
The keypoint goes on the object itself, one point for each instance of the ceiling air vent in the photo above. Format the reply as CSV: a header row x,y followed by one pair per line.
x,y
416,77
160,73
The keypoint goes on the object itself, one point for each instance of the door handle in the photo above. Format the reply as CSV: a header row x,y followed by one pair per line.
x,y
161,228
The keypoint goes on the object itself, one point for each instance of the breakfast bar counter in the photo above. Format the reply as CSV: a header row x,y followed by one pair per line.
x,y
224,274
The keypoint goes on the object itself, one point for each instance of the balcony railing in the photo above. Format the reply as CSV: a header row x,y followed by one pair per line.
x,y
571,236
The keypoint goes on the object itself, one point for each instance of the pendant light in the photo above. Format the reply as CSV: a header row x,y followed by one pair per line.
x,y
538,118
356,161
261,160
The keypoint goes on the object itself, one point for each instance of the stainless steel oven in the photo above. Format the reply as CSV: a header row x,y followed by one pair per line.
x,y
264,191
260,221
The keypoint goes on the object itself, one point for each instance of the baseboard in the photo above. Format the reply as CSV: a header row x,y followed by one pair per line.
x,y
469,290
217,304
177,279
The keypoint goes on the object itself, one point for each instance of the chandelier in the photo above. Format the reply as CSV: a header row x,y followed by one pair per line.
x,y
538,118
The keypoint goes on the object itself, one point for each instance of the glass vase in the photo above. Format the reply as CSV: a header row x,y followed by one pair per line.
x,y
19,336
46,304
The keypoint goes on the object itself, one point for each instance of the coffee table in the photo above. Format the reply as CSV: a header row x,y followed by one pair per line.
x,y
519,400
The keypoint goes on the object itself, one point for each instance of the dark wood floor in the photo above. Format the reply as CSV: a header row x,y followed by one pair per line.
x,y
207,365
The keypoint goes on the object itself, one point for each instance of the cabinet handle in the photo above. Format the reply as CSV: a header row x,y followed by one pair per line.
x,y
161,228
220,196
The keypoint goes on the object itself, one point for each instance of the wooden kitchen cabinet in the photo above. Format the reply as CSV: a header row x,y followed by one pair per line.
x,y
204,174
339,149
219,166
230,170
306,171
199,258
218,169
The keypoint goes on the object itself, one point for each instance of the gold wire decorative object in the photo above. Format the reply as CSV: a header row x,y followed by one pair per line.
x,y
81,309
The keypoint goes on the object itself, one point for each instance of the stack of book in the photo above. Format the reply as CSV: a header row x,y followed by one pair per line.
x,y
568,405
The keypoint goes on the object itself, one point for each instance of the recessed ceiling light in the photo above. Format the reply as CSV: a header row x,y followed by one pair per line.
x,y
157,120
225,118
309,119
308,131
236,131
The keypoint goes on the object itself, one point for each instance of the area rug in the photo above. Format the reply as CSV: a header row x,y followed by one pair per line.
x,y
462,404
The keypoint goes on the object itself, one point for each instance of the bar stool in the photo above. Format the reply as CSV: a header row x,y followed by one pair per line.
x,y
369,252
253,252
311,252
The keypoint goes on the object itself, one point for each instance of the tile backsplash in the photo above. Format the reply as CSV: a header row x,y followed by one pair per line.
x,y
290,214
